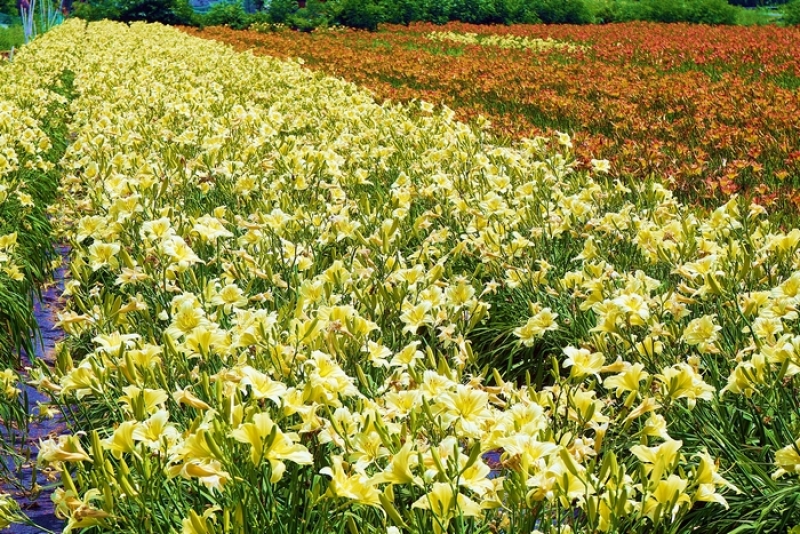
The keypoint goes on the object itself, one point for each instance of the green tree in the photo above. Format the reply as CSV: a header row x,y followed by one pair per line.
x,y
9,7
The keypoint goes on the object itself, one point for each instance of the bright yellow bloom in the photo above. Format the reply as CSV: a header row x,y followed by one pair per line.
x,y
415,316
445,503
156,432
80,513
268,442
150,400
788,460
682,381
230,297
208,472
628,380
702,332
407,355
542,322
399,469
180,253
8,241
261,385
583,362
64,449
197,524
668,493
356,487
103,254
377,354
658,460
121,441
184,396
468,408
9,509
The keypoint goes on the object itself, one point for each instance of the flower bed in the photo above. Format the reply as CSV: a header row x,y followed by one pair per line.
x,y
294,309
710,108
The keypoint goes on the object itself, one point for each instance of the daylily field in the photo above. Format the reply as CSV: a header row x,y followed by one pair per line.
x,y
295,306
710,109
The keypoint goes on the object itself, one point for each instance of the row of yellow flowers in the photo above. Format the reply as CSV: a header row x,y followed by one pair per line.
x,y
277,285
501,41
24,100
31,108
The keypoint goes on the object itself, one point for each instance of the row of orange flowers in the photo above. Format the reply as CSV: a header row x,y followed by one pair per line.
x,y
713,109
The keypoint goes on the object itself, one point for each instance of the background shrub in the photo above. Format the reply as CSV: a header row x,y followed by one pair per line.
x,y
664,11
436,11
791,13
562,11
516,11
310,17
163,11
279,11
11,37
9,7
402,11
360,14
367,14
475,11
756,3
603,11
711,12
96,10
227,13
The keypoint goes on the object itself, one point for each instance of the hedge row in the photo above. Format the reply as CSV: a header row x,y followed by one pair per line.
x,y
367,14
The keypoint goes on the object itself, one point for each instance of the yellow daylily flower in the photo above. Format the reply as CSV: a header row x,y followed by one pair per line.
x,y
669,493
357,487
445,503
399,469
268,442
121,441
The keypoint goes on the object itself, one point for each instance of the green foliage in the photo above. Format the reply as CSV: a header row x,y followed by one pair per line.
x,y
664,10
367,14
96,10
279,11
756,3
516,11
360,14
711,12
308,18
791,13
11,37
603,11
227,13
186,14
437,11
476,11
606,11
402,11
693,11
562,11
34,250
9,7
756,17
472,11
163,11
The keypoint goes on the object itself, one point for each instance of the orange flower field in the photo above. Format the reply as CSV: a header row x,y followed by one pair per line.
x,y
711,109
